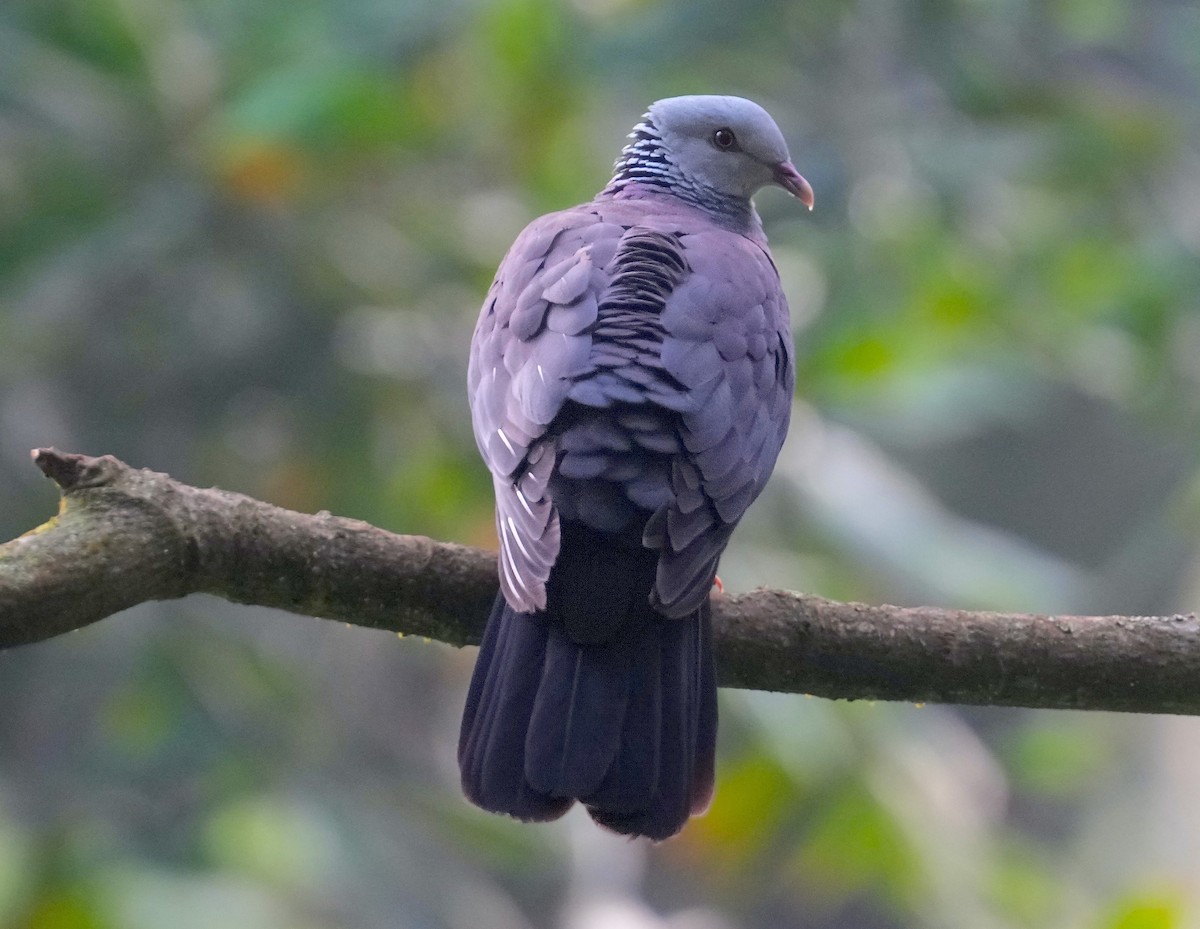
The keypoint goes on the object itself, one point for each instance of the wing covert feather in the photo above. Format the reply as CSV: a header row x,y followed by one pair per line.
x,y
730,319
530,342
672,338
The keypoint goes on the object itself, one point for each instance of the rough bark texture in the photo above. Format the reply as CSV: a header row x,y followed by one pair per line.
x,y
124,536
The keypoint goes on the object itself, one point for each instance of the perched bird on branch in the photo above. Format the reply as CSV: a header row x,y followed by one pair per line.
x,y
630,381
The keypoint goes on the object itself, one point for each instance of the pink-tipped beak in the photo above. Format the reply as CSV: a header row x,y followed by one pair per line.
x,y
787,177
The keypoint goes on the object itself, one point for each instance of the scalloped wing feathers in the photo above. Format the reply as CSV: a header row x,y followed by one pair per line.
x,y
631,370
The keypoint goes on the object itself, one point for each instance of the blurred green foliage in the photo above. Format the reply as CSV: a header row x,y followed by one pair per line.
x,y
245,242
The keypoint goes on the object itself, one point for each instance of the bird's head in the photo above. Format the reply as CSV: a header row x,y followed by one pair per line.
x,y
728,144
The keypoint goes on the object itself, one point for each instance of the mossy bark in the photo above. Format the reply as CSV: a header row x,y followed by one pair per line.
x,y
125,536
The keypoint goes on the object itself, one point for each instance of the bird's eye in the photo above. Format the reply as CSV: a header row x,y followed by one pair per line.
x,y
724,139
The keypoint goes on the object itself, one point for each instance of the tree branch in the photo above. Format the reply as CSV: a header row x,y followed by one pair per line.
x,y
124,536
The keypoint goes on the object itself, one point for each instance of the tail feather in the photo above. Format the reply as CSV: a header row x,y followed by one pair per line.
x,y
578,714
632,782
467,734
599,699
627,726
686,737
491,753
670,797
704,773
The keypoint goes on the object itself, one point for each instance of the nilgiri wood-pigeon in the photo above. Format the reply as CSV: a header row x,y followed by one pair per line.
x,y
630,382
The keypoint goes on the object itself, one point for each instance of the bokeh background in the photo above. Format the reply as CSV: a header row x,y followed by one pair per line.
x,y
244,241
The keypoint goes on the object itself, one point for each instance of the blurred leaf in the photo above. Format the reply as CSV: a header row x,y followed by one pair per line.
x,y
326,109
1055,757
16,869
752,802
140,719
865,358
1025,885
151,898
854,845
95,31
427,496
65,910
264,172
283,842
1146,911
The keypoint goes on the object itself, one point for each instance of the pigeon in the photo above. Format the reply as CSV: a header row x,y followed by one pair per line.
x,y
630,381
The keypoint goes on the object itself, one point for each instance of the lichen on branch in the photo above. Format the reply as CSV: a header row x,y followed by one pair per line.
x,y
124,536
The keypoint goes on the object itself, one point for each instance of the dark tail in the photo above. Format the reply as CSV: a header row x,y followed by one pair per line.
x,y
626,726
